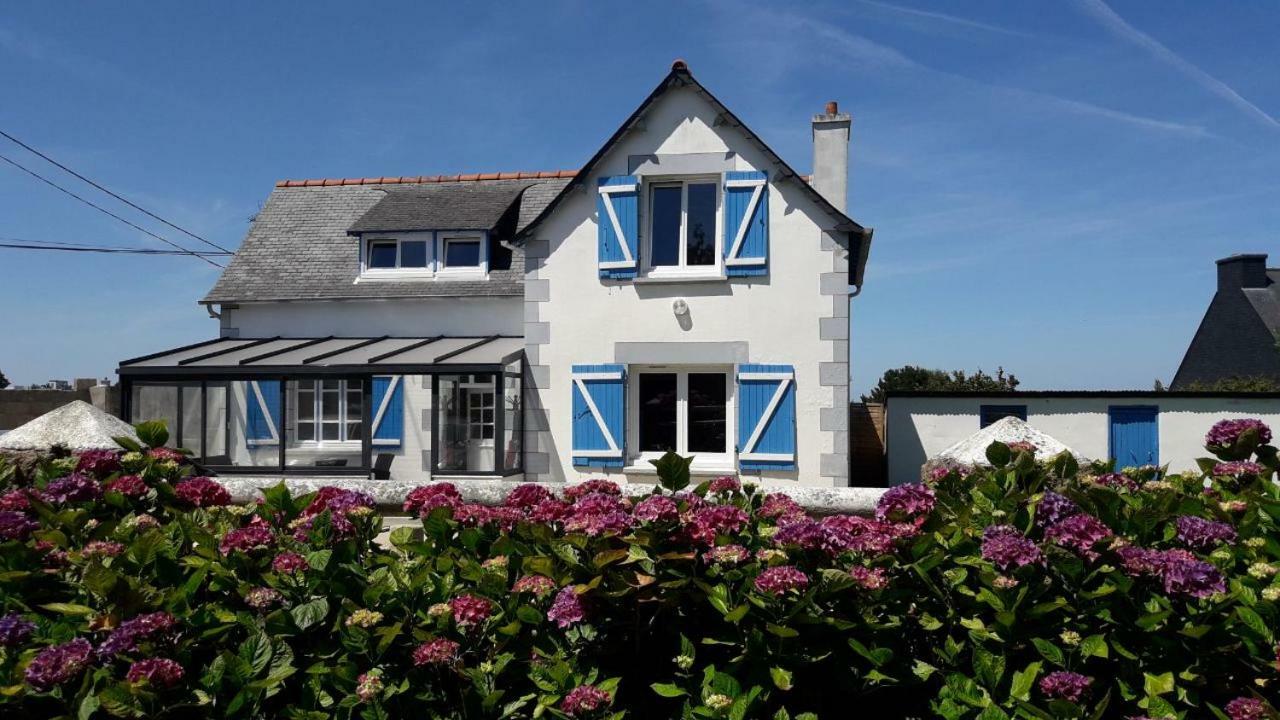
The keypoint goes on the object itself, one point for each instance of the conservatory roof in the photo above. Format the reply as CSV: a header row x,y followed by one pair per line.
x,y
252,357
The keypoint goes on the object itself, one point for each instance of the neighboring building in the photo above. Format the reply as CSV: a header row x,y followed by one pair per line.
x,y
1237,337
1135,428
685,290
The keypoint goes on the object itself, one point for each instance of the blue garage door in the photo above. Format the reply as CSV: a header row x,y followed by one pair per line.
x,y
1135,435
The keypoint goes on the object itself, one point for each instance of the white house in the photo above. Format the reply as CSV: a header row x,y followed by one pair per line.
x,y
685,290
1132,427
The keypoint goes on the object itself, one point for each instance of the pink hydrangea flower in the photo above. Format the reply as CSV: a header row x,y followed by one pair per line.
x,y
726,555
129,486
527,496
202,492
657,508
247,540
777,506
535,585
369,685
288,563
711,521
422,500
584,700
163,453
440,651
591,487
102,548
869,578
778,580
15,500
1246,708
470,610
724,484
263,598
905,503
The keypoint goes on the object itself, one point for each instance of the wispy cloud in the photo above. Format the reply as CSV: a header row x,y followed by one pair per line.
x,y
945,18
1103,13
870,53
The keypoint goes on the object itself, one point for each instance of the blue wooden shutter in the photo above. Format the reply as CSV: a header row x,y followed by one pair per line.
x,y
746,223
599,415
766,417
262,403
1134,435
618,225
388,411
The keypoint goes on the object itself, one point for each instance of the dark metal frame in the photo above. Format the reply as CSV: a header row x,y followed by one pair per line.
x,y
180,375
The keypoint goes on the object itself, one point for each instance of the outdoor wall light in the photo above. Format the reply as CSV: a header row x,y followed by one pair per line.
x,y
680,307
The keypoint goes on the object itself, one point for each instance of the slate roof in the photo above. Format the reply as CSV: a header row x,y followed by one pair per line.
x,y
476,206
1237,338
298,247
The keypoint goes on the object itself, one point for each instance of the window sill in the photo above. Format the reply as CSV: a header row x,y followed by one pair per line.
x,y
329,447
710,276
393,276
714,469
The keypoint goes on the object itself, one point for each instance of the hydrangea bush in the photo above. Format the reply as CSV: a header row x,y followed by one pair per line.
x,y
130,588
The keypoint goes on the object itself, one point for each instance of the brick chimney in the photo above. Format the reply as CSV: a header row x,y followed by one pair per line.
x,y
1242,271
831,155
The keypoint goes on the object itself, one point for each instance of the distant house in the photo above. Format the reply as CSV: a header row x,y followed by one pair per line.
x,y
686,290
1237,337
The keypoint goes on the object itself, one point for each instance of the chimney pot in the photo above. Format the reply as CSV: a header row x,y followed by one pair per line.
x,y
833,107
679,65
1243,271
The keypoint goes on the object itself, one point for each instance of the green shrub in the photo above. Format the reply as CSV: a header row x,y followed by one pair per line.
x,y
1024,589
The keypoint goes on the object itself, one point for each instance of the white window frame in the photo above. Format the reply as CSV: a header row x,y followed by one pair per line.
x,y
683,270
342,442
466,271
397,272
703,462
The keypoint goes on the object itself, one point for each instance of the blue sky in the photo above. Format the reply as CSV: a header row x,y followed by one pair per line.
x,y
1049,183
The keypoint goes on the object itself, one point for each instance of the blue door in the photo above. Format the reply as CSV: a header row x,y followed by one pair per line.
x,y
1135,435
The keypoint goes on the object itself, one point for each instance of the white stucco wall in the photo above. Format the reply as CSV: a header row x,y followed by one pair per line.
x,y
581,317
917,428
371,318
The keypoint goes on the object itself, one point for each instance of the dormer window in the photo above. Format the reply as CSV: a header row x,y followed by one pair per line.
x,y
424,255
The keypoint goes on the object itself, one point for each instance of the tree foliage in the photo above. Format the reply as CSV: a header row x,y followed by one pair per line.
x,y
911,377
4,381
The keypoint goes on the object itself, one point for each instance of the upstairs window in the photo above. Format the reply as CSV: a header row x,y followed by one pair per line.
x,y
409,253
425,255
684,225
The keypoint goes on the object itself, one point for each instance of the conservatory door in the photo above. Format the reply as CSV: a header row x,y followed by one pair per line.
x,y
480,428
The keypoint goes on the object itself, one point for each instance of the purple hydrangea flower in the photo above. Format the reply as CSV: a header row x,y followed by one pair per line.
x,y
777,506
568,608
76,487
58,664
1184,574
778,580
154,627
338,501
1246,708
724,484
1063,685
1053,509
905,503
15,525
591,487
159,673
710,521
469,610
1204,535
869,578
1116,480
1226,433
1079,533
1006,548
98,462
1239,468
598,513
15,630
288,563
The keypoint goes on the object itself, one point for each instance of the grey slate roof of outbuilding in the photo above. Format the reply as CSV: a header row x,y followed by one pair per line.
x,y
1238,336
297,247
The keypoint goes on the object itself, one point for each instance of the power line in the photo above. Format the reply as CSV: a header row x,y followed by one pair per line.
x,y
126,201
122,251
101,209
23,244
